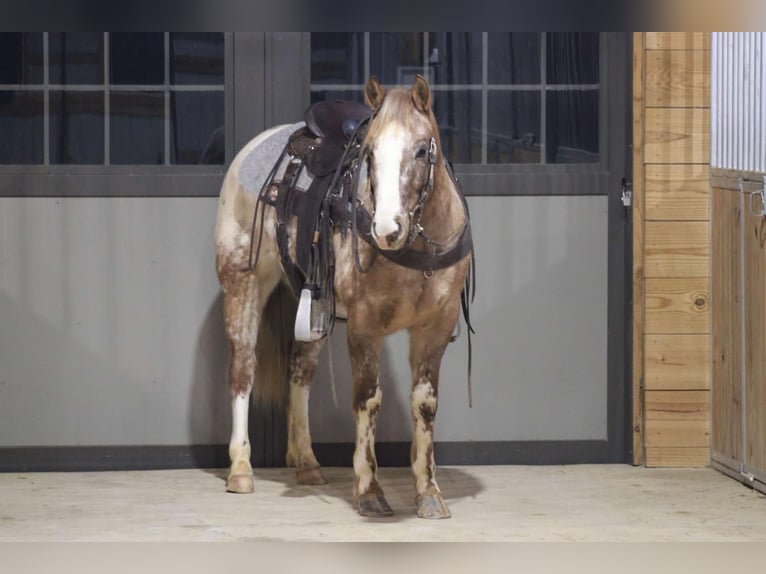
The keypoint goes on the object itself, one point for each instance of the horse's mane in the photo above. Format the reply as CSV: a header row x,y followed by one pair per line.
x,y
398,107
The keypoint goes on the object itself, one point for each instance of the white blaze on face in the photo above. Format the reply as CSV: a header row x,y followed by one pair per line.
x,y
388,162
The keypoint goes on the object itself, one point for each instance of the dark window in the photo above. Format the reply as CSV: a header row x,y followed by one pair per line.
x,y
197,120
572,58
455,57
137,127
395,57
196,58
76,127
76,57
572,131
137,58
21,58
337,58
458,112
514,58
499,97
21,122
154,98
513,127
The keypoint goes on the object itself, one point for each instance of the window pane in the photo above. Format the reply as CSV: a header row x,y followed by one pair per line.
x,y
513,127
137,57
395,57
337,58
513,58
77,127
137,128
76,57
196,58
21,58
21,122
197,130
322,95
572,126
458,114
455,57
572,58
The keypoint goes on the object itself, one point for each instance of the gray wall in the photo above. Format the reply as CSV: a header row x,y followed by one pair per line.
x,y
110,323
111,330
540,361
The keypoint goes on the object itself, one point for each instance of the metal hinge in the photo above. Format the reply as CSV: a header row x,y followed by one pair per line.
x,y
627,193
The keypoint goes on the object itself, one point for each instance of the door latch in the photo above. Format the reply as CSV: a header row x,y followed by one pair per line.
x,y
627,193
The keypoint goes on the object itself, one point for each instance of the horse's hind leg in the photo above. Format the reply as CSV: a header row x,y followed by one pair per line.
x,y
365,355
244,299
299,452
427,346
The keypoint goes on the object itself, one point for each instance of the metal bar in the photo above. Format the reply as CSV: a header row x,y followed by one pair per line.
x,y
107,103
228,80
543,97
46,101
743,313
484,95
167,98
366,59
752,128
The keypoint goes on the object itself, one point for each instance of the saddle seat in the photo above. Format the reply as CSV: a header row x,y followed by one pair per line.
x,y
331,123
335,120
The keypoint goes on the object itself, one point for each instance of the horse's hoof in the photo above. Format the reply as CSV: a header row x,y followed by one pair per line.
x,y
310,476
374,506
240,484
432,506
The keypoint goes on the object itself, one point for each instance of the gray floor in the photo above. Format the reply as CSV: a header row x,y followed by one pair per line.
x,y
594,503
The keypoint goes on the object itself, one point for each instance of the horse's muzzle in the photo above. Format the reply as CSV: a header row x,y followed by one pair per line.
x,y
390,239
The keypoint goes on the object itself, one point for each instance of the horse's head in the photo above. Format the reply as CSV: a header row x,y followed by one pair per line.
x,y
402,143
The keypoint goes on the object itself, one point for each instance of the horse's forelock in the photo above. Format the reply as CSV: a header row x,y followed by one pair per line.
x,y
397,108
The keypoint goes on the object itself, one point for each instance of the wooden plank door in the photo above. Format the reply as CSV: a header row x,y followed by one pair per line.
x,y
727,327
755,337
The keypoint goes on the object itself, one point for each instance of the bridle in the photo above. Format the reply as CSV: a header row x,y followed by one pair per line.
x,y
415,215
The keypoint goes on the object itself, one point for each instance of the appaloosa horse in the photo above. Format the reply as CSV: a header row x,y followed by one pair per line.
x,y
414,206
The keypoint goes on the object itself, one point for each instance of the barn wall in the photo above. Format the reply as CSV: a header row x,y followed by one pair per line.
x,y
672,248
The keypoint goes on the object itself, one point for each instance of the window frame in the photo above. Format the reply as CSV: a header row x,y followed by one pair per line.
x,y
107,180
511,179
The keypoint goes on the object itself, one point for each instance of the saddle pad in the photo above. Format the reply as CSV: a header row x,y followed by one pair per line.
x,y
257,165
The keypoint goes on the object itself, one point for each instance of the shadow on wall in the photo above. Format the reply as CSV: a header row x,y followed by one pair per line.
x,y
209,417
209,408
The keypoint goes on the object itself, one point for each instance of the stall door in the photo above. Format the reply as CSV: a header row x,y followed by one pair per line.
x,y
536,125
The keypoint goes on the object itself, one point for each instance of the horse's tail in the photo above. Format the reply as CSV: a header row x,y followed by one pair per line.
x,y
274,347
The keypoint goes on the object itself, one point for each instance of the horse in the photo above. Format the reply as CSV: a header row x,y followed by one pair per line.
x,y
414,204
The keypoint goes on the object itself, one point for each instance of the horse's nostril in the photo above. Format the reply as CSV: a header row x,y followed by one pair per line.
x,y
396,235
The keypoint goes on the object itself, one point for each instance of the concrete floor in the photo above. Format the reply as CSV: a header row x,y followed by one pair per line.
x,y
490,503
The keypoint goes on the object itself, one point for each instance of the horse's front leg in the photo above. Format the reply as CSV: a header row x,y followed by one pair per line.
x,y
364,352
427,346
300,454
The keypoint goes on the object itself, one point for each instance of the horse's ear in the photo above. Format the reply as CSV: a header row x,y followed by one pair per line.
x,y
374,93
421,94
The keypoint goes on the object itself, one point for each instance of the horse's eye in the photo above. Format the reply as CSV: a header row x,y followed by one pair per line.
x,y
421,153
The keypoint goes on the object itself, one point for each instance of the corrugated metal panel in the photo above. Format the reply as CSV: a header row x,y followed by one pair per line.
x,y
738,101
